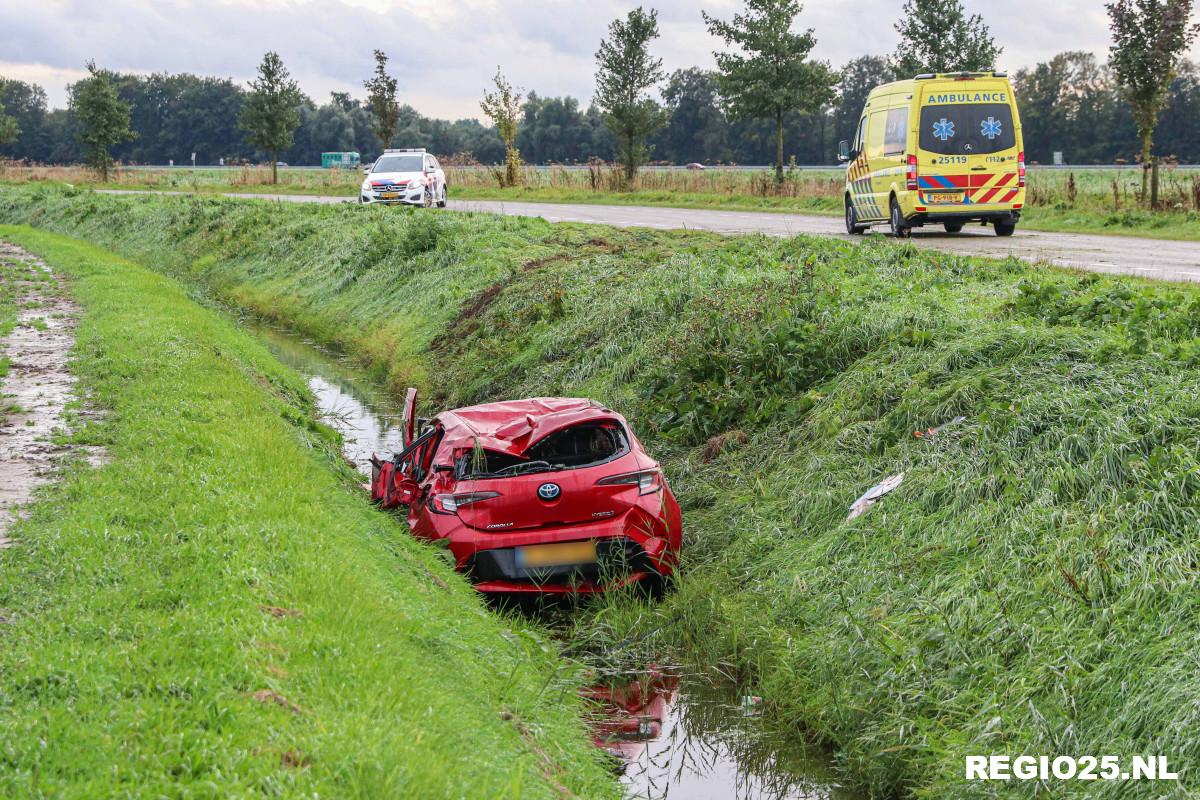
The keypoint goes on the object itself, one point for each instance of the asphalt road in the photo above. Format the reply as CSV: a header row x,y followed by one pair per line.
x,y
1127,255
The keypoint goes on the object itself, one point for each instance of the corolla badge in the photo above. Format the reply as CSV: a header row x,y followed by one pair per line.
x,y
549,491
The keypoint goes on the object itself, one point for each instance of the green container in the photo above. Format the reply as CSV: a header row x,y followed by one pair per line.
x,y
347,160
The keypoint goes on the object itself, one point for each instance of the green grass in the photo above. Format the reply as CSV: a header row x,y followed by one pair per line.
x,y
1030,588
1081,201
218,611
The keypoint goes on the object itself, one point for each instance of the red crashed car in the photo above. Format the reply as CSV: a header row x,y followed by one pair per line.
x,y
549,494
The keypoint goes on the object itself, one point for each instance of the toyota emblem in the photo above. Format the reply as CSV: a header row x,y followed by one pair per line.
x,y
549,491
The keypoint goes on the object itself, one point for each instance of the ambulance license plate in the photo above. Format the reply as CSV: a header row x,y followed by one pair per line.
x,y
944,198
557,555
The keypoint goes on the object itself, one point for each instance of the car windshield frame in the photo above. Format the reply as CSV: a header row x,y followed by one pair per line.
x,y
413,162
963,122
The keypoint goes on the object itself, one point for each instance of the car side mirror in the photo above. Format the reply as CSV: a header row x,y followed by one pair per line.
x,y
844,151
407,492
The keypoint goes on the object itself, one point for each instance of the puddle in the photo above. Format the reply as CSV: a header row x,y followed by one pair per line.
x,y
675,735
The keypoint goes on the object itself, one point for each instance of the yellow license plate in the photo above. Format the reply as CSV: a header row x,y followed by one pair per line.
x,y
389,196
557,555
944,198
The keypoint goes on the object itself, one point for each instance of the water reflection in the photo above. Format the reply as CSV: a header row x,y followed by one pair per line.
x,y
366,416
684,736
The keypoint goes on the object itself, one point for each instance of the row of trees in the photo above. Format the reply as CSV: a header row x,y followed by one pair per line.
x,y
765,85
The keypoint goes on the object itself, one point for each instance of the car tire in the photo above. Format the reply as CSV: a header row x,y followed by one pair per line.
x,y
852,226
953,227
427,199
896,221
1004,227
445,197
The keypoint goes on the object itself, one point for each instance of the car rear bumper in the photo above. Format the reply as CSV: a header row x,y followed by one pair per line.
x,y
973,215
627,551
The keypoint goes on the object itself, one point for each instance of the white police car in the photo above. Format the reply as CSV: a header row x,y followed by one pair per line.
x,y
412,177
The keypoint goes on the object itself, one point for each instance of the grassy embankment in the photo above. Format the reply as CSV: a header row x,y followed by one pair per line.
x,y
1030,588
1079,201
218,612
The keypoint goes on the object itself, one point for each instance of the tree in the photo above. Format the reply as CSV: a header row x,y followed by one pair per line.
x,y
1149,39
772,74
270,112
696,129
626,72
9,129
502,107
858,78
381,96
103,117
938,36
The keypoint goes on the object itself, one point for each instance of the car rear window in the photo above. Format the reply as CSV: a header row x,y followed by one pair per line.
x,y
967,128
577,446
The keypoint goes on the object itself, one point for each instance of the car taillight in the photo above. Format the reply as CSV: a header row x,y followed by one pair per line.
x,y
451,503
647,480
911,175
1020,170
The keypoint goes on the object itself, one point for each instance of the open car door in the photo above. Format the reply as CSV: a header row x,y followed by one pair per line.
x,y
408,422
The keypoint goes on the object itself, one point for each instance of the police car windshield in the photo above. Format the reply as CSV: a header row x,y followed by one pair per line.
x,y
966,129
398,164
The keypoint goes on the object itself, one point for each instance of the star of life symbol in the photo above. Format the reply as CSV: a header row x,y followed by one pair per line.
x,y
990,127
942,129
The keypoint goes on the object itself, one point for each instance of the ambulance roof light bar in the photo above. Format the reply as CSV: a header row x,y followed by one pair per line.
x,y
928,76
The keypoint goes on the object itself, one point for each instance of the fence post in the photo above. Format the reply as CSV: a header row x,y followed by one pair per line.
x,y
1153,184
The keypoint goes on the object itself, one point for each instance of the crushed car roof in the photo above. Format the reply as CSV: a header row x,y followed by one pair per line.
x,y
513,425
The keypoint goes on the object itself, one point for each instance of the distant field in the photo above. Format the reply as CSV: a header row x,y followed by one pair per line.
x,y
1084,200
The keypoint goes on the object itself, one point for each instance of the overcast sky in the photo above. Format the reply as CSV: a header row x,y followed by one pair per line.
x,y
444,51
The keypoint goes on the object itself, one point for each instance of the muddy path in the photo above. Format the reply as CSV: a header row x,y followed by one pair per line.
x,y
38,386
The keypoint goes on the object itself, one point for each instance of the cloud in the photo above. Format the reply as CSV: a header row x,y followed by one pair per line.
x,y
444,51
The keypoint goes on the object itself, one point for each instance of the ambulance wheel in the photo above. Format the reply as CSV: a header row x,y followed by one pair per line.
x,y
1004,227
899,229
852,226
953,227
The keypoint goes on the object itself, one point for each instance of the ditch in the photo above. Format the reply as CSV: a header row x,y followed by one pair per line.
x,y
674,731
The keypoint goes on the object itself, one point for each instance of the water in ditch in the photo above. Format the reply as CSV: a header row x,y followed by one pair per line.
x,y
673,733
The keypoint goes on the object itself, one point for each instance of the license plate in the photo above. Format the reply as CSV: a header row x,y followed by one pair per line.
x,y
557,555
389,195
944,198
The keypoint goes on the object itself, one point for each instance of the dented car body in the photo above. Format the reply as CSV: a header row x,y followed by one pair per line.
x,y
547,494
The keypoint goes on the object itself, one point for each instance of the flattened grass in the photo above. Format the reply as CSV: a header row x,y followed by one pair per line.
x,y
217,611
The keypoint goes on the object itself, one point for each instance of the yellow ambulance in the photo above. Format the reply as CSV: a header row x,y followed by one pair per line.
x,y
938,149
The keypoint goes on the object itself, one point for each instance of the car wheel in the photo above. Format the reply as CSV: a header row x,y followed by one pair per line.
x,y
899,229
953,227
445,197
852,226
1004,227
427,199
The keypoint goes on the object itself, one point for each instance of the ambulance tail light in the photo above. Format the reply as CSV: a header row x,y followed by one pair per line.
x,y
911,175
1021,170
